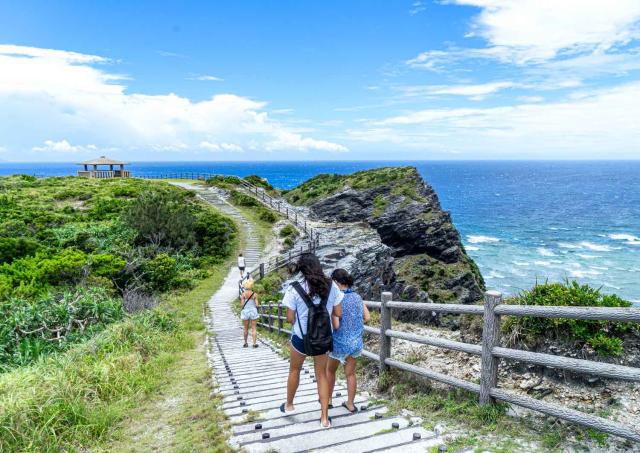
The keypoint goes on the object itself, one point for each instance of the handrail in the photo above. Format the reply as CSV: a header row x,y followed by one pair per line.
x,y
491,352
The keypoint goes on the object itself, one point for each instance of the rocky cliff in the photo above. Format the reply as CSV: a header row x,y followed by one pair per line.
x,y
417,252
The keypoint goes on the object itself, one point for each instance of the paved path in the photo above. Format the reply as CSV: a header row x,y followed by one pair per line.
x,y
253,385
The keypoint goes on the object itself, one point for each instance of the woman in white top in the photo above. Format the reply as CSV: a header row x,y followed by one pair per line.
x,y
241,265
318,287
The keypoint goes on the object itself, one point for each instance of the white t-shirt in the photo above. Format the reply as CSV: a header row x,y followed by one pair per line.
x,y
293,301
241,261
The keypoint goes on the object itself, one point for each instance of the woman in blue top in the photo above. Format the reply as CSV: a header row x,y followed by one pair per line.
x,y
318,287
347,336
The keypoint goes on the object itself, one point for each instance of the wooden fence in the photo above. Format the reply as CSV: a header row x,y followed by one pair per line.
x,y
179,175
490,351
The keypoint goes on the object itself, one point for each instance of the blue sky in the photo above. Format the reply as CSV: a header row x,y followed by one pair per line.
x,y
289,80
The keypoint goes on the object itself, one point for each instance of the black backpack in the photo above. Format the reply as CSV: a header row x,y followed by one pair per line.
x,y
319,338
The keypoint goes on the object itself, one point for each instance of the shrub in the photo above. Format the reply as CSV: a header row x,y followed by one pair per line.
x,y
267,216
225,182
215,234
107,265
258,181
161,219
288,231
241,199
161,272
605,337
34,327
13,248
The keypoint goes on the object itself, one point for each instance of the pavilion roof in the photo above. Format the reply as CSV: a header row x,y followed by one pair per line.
x,y
102,160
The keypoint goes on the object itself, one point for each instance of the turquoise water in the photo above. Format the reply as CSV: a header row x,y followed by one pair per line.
x,y
521,221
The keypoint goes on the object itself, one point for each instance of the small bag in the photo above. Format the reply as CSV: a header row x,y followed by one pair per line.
x,y
319,338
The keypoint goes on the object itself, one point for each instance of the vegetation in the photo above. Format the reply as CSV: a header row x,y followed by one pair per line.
x,y
259,181
224,182
401,179
76,254
74,400
605,337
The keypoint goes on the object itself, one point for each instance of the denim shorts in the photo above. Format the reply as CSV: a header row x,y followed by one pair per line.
x,y
298,344
342,358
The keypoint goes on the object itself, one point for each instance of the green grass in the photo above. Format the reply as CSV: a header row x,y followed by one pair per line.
x,y
401,180
72,400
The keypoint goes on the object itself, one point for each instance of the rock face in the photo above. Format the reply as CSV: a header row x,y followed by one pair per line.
x,y
417,254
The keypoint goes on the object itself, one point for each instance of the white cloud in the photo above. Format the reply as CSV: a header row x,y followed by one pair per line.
x,y
59,93
206,78
539,30
63,146
602,123
232,147
417,7
476,91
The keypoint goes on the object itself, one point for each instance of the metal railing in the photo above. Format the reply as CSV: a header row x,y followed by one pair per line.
x,y
491,352
179,175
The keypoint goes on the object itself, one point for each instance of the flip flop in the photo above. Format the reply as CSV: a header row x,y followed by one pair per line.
x,y
330,405
255,345
355,409
284,410
326,427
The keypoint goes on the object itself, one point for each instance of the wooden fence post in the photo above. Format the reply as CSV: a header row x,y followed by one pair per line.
x,y
385,324
261,270
269,317
280,323
490,339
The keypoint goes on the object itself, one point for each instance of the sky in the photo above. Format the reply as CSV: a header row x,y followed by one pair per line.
x,y
319,80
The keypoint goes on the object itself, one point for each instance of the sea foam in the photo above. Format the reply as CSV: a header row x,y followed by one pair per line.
x,y
479,239
628,238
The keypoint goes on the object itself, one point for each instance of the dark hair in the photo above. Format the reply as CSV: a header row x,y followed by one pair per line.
x,y
343,277
311,269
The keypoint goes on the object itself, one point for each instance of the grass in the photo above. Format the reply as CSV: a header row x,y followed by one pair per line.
x,y
401,180
73,400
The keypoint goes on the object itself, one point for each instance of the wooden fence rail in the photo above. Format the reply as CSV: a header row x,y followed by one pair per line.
x,y
490,351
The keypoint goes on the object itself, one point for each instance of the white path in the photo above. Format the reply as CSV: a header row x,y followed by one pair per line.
x,y
253,385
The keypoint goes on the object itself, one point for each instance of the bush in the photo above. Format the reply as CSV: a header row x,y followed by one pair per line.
x,y
215,234
258,181
161,219
13,248
241,199
161,272
224,182
605,337
288,231
32,328
267,216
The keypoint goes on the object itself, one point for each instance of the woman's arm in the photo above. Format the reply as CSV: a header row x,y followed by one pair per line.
x,y
337,311
336,322
291,316
365,313
256,299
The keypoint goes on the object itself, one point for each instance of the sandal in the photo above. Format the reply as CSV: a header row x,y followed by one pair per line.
x,y
255,345
355,409
326,427
245,345
284,410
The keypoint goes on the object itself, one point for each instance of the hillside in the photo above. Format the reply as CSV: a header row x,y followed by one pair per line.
x,y
426,258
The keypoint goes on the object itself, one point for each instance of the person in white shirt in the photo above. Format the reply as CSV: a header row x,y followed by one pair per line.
x,y
241,265
319,287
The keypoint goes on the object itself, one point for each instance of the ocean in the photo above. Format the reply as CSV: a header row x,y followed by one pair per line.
x,y
522,221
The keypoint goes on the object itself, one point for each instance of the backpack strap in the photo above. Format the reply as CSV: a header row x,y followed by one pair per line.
x,y
303,294
246,300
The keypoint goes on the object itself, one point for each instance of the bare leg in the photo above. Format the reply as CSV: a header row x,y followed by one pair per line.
x,y
254,332
352,383
246,330
320,365
295,365
332,367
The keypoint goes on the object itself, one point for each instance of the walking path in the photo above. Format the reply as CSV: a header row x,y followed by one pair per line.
x,y
253,385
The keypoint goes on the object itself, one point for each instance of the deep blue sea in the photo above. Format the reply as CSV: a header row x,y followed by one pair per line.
x,y
521,221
